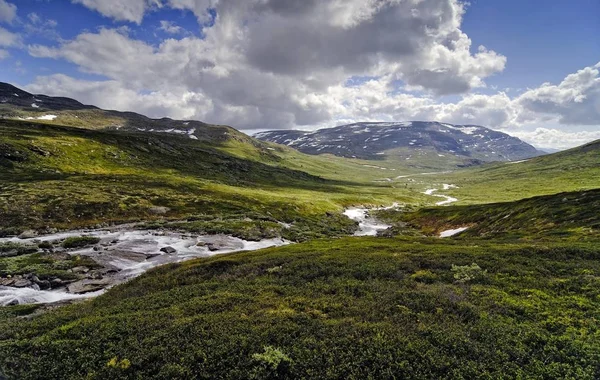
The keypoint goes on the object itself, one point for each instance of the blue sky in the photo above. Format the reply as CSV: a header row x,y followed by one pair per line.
x,y
258,66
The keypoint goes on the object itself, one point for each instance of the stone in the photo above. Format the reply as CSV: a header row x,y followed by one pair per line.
x,y
88,286
56,283
169,250
80,270
44,284
212,247
22,283
159,210
201,244
95,275
7,281
28,234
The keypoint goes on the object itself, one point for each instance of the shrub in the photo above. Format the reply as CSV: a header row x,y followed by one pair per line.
x,y
468,273
80,241
425,276
272,363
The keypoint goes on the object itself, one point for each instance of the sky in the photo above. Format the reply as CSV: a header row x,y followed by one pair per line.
x,y
528,68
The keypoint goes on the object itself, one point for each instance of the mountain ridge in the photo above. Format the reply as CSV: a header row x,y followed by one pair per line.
x,y
373,140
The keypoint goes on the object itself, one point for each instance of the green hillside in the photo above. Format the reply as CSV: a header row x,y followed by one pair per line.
x,y
62,177
572,170
350,308
574,215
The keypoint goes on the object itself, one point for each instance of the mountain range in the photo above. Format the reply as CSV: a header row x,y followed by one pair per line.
x,y
446,145
375,140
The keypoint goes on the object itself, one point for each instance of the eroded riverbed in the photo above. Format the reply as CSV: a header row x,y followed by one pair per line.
x,y
122,254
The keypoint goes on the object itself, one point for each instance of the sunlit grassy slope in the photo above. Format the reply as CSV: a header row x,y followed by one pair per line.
x,y
572,170
572,215
351,308
70,177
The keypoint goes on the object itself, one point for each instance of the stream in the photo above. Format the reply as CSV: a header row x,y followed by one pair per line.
x,y
367,225
126,253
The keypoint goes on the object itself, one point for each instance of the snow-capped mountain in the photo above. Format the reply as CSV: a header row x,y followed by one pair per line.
x,y
374,140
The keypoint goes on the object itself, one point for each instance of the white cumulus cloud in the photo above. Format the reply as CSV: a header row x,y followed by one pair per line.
x,y
8,11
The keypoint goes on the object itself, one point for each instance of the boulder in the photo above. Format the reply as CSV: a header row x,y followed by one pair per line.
x,y
159,210
88,286
28,234
212,247
7,281
95,275
44,284
22,283
169,250
80,270
56,283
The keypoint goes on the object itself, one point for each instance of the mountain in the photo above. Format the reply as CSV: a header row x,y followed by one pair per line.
x,y
375,140
18,104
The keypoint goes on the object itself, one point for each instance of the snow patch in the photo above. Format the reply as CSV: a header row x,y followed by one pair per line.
x,y
456,231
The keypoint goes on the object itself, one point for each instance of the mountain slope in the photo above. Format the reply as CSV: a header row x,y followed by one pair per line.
x,y
572,215
18,104
575,169
405,139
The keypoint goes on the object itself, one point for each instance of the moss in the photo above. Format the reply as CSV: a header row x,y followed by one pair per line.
x,y
80,241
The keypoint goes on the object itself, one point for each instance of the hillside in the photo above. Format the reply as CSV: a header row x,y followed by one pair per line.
x,y
572,215
407,140
63,177
571,170
350,308
21,105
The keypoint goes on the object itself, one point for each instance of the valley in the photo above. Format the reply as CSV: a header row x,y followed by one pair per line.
x,y
151,248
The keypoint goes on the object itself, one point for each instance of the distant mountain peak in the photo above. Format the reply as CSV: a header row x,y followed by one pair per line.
x,y
372,140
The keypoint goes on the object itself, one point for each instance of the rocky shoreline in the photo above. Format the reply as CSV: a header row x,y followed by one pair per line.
x,y
83,263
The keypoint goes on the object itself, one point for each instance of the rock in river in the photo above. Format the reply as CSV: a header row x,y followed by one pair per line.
x,y
88,286
169,250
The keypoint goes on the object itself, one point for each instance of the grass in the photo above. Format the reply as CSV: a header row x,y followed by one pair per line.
x,y
60,177
515,296
348,308
576,169
572,216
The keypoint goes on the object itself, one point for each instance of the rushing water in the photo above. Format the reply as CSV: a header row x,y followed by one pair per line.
x,y
367,225
129,253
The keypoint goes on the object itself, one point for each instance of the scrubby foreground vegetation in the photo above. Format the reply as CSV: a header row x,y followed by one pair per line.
x,y
347,308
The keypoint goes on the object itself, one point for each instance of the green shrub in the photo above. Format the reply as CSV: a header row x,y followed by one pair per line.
x,y
425,276
468,273
80,241
272,363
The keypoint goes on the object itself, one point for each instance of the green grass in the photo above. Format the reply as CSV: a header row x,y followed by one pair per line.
x,y
572,170
44,265
349,308
573,216
67,177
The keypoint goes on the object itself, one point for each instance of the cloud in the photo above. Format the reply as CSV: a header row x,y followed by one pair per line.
x,y
8,11
574,101
273,64
4,54
170,27
39,26
556,139
8,39
120,10
112,95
